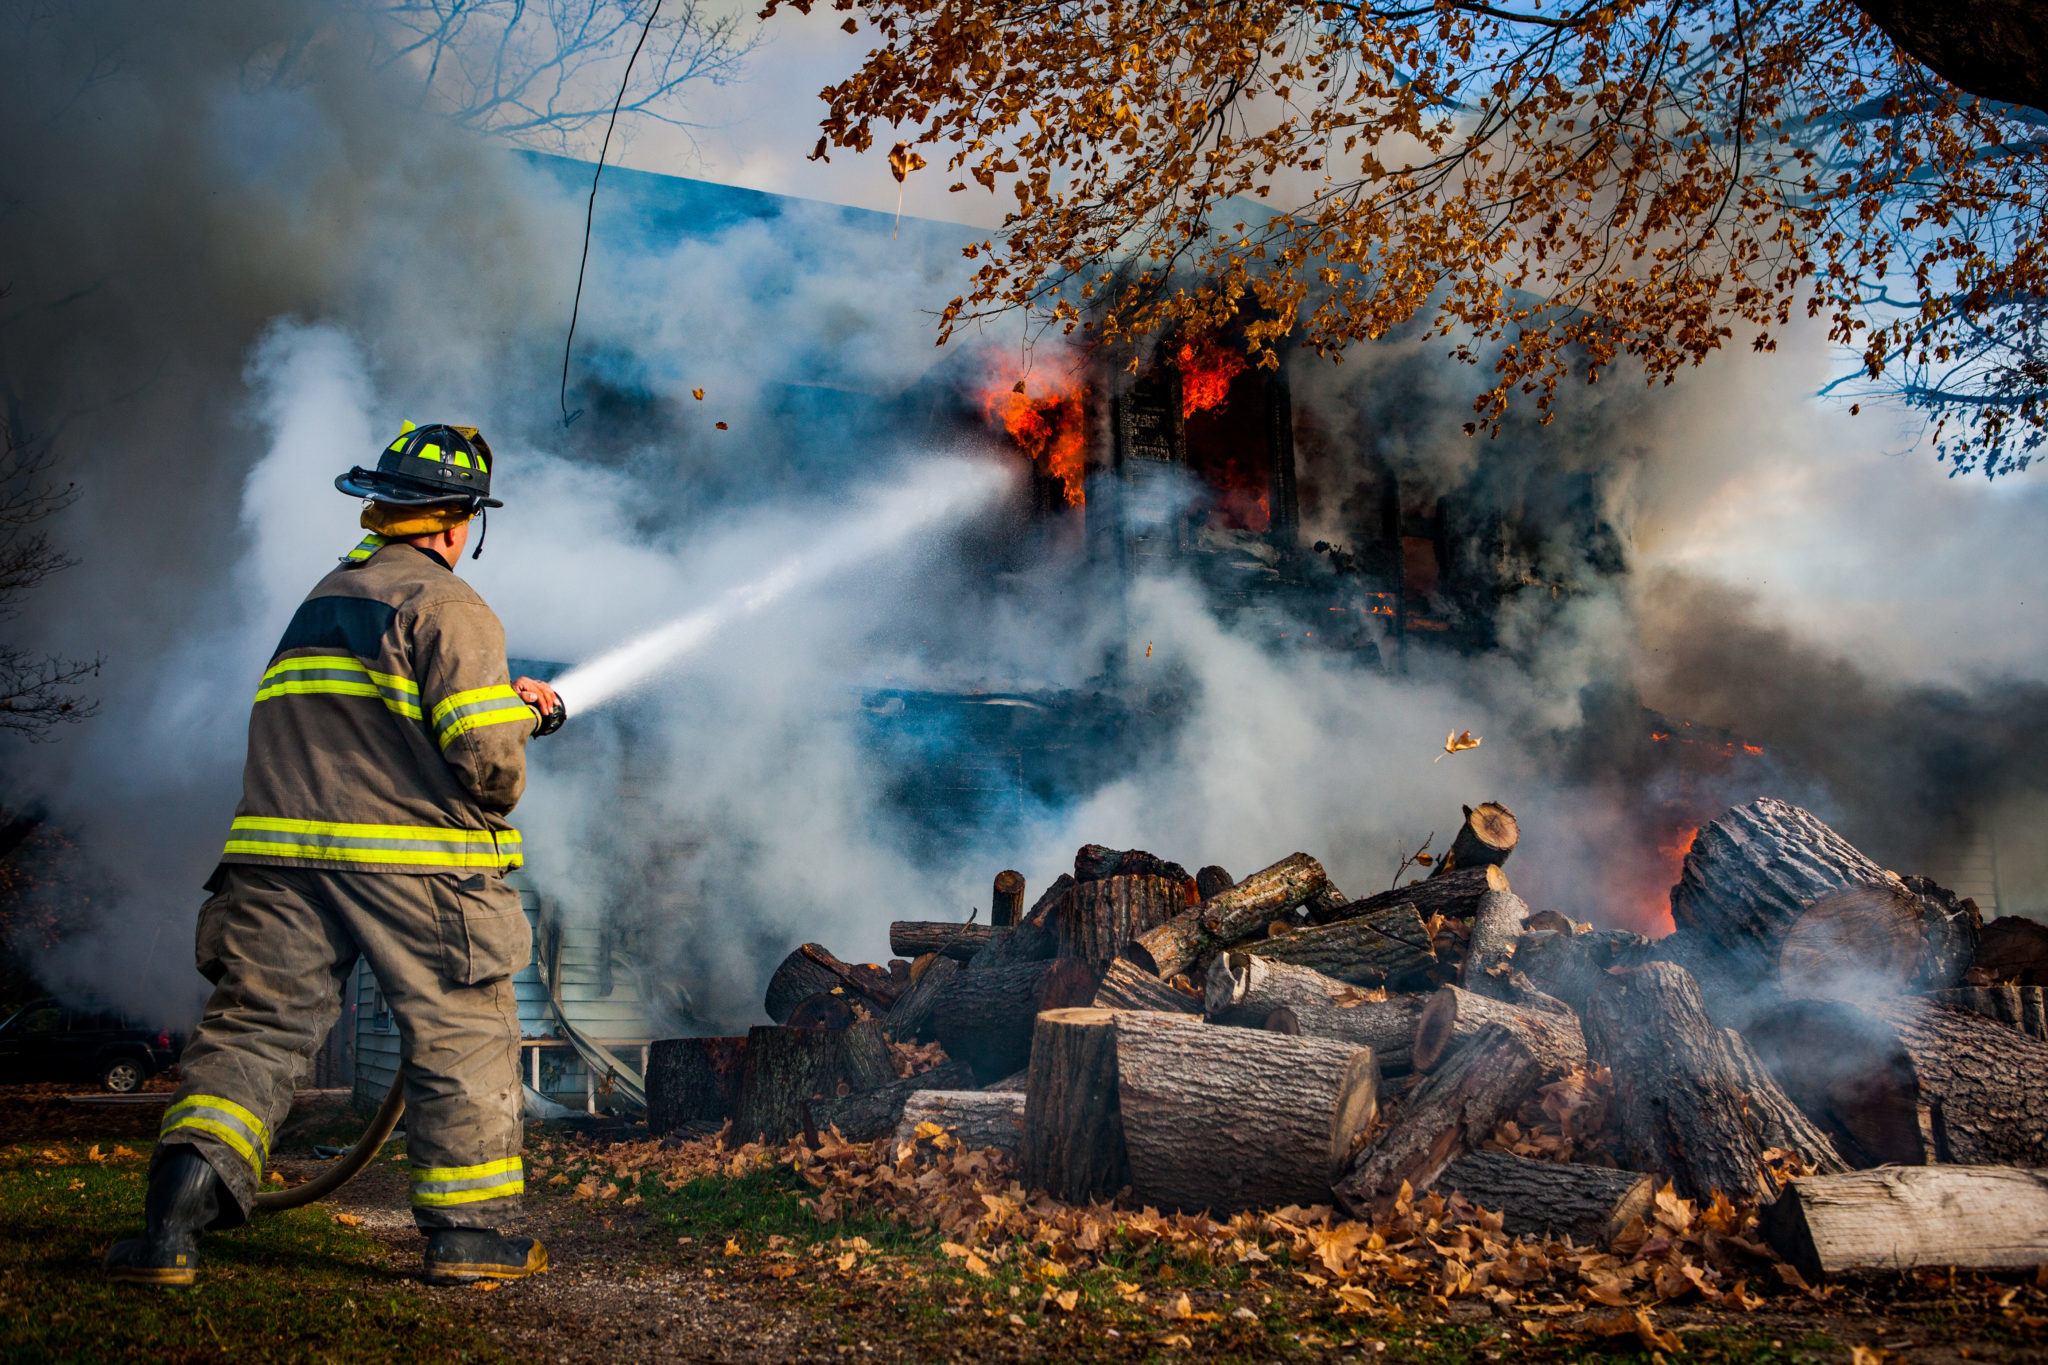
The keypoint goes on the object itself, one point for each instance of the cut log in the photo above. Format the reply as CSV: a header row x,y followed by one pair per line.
x,y
1588,1204
832,1010
1126,986
1281,1019
977,1119
1248,990
1100,917
869,1115
2022,1007
1213,881
1223,1119
983,1016
1390,947
1679,1100
2012,948
1012,1083
1093,862
1073,1144
1876,936
910,1019
1006,899
1028,942
1450,1112
1900,1217
1317,909
960,940
1496,924
1779,1122
1487,837
692,1080
1751,871
1454,1016
1048,903
811,970
1247,908
1455,895
787,1070
1570,967
1911,1083
1950,927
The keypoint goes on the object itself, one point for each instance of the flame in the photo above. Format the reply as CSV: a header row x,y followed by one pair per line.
x,y
1050,428
1206,369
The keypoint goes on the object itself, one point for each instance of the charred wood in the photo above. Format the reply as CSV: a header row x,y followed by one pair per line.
x,y
910,1019
1388,947
1248,990
1049,901
984,1015
811,970
2022,1007
832,1010
2012,948
1212,881
692,1080
1570,967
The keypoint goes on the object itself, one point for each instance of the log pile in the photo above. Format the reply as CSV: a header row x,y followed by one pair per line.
x,y
1196,1043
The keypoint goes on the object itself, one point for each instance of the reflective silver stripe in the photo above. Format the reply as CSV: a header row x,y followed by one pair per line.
x,y
227,1122
445,1186
424,840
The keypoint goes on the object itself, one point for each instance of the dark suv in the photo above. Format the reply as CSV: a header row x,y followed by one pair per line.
x,y
51,1041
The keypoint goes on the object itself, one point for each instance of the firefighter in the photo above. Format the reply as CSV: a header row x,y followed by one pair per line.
x,y
386,748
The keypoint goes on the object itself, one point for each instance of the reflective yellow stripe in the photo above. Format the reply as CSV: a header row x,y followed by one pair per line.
x,y
257,1128
340,663
495,691
225,1134
427,1174
399,845
483,718
347,831
336,688
434,1199
246,1134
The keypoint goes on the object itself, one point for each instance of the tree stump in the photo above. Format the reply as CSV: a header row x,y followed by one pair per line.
x,y
958,940
1451,1111
1454,1016
1752,871
1910,1083
1589,1204
1389,947
1487,837
1898,1217
1100,917
2022,1007
1455,895
786,1070
1073,1144
983,1016
1223,1119
910,1019
1246,908
868,1115
1680,1101
692,1080
977,1119
1496,925
1247,990
1126,986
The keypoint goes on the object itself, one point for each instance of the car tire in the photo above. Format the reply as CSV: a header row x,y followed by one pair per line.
x,y
122,1076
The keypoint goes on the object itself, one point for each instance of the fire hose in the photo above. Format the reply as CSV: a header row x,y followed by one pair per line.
x,y
351,1162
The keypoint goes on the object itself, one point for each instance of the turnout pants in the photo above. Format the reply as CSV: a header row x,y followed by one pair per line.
x,y
278,943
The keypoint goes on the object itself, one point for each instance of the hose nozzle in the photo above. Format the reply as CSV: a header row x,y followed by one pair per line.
x,y
546,723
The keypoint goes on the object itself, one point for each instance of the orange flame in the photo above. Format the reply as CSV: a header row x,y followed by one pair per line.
x,y
1206,369
1051,429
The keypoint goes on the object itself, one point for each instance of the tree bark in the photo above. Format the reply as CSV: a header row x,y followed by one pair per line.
x,y
1570,967
1451,1111
2012,948
1049,901
991,1119
1212,881
1899,1217
1455,895
910,1019
1779,1122
1389,947
957,940
1246,908
1126,986
1679,1098
983,1016
1246,990
1589,1204
1896,934
1950,929
1028,942
869,1115
1102,916
787,1070
1073,1144
1496,924
1911,1083
1487,837
692,1080
1006,899
811,970
1997,49
2022,1007
1454,1016
1224,1119
1752,871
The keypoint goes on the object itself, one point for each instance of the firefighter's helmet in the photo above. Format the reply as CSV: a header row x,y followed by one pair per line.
x,y
426,465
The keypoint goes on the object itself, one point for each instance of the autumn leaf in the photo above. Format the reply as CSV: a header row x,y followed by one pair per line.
x,y
349,1220
1458,743
720,425
697,394
903,160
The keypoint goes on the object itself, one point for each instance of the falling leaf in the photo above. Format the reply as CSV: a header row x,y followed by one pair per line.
x,y
721,426
851,26
1148,649
1017,387
902,161
697,394
1457,743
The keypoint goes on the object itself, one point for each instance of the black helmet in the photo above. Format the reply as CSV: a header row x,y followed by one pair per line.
x,y
427,465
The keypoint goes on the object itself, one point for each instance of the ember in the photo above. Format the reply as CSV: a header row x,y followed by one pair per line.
x,y
1051,429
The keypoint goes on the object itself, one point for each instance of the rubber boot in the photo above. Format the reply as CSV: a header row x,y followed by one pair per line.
x,y
184,1199
466,1255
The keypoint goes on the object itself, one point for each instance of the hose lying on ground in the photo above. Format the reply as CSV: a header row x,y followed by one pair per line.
x,y
345,1167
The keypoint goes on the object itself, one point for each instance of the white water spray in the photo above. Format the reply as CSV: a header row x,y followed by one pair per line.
x,y
937,494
